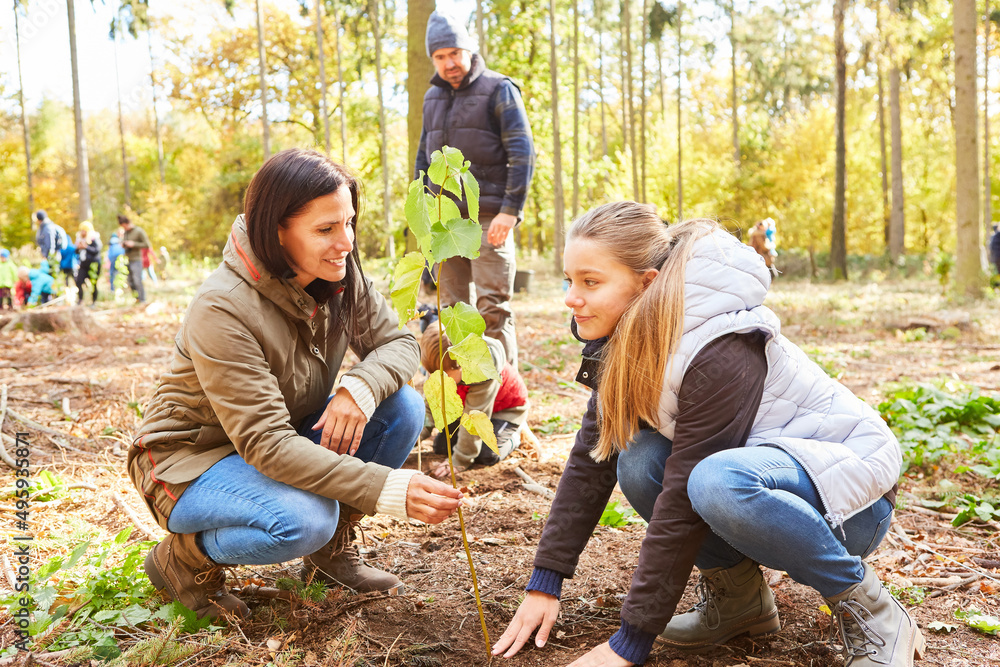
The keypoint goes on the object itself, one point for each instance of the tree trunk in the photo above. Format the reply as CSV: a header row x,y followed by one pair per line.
x,y
156,115
24,116
419,70
680,161
558,210
967,264
881,130
390,244
481,29
82,171
576,109
340,86
263,82
322,77
737,153
629,106
838,232
897,223
121,128
659,66
599,10
987,187
642,104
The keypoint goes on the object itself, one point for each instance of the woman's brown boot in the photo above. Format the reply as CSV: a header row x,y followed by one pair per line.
x,y
180,571
339,562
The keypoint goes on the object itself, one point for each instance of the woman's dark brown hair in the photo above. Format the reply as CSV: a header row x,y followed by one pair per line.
x,y
282,189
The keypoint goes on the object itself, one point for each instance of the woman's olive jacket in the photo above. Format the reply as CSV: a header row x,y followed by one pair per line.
x,y
255,356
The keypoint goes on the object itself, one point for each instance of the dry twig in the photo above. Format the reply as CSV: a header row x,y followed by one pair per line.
x,y
130,513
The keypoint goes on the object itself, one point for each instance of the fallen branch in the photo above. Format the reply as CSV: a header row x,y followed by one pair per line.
x,y
900,534
8,570
56,436
130,513
533,486
253,590
4,456
37,657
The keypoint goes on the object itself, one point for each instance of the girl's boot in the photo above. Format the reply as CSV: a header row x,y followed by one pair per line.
x,y
734,601
180,571
339,562
874,628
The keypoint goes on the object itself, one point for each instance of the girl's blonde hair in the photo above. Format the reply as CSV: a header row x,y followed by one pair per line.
x,y
635,358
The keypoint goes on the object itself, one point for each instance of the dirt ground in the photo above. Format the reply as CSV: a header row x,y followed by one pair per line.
x,y
103,372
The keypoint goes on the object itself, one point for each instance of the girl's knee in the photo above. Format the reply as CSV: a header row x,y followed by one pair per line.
x,y
313,526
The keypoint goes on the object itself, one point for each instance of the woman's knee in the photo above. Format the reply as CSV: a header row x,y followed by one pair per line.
x,y
711,485
406,406
312,526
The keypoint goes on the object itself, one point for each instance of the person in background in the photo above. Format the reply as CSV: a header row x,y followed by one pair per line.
x,y
69,262
165,260
41,281
134,239
504,402
88,247
758,239
50,237
115,250
734,446
22,288
148,264
995,248
479,112
8,277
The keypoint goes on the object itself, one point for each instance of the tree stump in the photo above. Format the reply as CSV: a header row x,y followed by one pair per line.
x,y
72,319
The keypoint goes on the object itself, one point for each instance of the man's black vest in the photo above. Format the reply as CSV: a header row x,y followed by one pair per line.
x,y
463,118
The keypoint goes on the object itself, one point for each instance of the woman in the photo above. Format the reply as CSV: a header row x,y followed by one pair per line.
x,y
244,455
88,247
754,454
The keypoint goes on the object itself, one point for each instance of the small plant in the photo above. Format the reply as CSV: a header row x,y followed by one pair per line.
x,y
977,620
616,516
972,508
442,233
79,600
911,595
931,423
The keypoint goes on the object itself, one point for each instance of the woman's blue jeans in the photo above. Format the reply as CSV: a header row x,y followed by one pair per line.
x,y
759,503
244,517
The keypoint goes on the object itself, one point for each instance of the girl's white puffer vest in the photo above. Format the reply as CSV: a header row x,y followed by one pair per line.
x,y
844,445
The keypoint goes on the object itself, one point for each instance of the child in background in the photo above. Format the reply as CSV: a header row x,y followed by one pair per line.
x,y
8,276
22,288
41,282
69,262
505,402
115,250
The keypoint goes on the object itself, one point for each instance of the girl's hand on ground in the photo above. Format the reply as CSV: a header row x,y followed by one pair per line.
x,y
601,656
343,424
441,470
537,610
431,501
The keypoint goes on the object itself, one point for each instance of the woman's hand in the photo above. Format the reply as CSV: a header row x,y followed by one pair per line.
x,y
441,470
343,423
601,656
537,610
431,501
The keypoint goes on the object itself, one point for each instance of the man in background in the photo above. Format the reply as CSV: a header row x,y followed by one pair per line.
x,y
133,239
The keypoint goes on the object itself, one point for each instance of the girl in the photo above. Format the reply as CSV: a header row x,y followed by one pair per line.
x,y
734,446
247,454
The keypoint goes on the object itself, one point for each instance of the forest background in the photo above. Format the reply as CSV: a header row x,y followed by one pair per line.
x,y
722,108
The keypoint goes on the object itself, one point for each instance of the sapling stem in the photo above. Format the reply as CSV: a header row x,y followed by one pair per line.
x,y
451,463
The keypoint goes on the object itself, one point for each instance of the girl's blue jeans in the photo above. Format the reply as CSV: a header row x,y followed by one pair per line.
x,y
244,517
761,504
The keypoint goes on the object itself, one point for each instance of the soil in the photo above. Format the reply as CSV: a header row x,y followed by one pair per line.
x,y
103,375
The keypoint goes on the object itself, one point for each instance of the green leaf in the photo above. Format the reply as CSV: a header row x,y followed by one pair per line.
x,y
417,210
122,537
453,156
477,423
441,209
405,285
432,394
471,193
473,355
438,169
458,237
975,619
938,626
461,320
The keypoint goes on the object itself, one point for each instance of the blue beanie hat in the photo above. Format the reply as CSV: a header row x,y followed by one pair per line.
x,y
5,253
446,32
